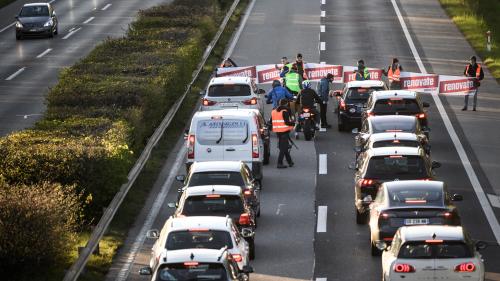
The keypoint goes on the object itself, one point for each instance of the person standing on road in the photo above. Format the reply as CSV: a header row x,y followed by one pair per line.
x,y
362,72
475,70
278,93
393,74
307,99
324,92
299,62
282,123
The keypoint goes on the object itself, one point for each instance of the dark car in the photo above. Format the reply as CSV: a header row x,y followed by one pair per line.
x,y
36,19
404,203
379,165
352,99
224,173
398,103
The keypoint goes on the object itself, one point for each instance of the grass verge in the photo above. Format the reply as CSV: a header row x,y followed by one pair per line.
x,y
474,18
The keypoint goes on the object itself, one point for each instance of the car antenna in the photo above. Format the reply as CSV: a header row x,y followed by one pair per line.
x,y
434,236
191,256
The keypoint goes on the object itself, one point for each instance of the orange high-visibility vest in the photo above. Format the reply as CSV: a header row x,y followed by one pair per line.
x,y
279,125
478,70
393,76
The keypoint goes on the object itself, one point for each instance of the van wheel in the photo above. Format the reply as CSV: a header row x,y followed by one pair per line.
x,y
251,247
360,218
374,250
267,155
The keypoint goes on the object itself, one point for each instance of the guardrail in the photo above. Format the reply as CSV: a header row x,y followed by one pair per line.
x,y
75,270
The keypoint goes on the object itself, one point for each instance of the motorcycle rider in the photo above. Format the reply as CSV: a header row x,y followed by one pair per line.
x,y
307,99
277,93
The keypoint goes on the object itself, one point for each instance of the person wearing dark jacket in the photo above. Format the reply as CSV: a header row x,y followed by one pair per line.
x,y
282,123
475,70
307,99
277,93
324,92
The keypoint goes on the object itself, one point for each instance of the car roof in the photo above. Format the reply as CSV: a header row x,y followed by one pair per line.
x,y
36,4
226,113
213,189
365,83
395,150
216,166
414,184
431,232
384,118
192,255
209,222
230,80
394,94
393,136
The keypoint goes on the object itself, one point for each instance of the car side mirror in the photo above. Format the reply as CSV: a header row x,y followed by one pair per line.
x,y
381,245
186,134
368,199
353,166
172,205
247,269
337,93
355,131
358,149
425,104
145,271
180,178
153,234
481,245
54,13
202,92
457,197
261,92
435,164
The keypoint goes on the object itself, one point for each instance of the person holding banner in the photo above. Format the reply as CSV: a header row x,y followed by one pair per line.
x,y
475,70
362,72
393,74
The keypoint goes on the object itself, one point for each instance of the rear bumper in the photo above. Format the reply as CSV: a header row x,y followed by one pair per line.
x,y
347,118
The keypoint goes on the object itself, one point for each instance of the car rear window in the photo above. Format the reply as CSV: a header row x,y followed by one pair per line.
x,y
222,132
386,143
443,250
394,125
415,197
205,239
216,178
34,11
192,271
359,93
393,105
229,90
213,205
397,167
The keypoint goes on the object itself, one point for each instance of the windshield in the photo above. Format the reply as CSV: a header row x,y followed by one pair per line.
x,y
213,205
394,125
444,250
397,167
361,94
192,271
229,90
393,105
34,11
386,143
222,132
420,196
205,239
216,178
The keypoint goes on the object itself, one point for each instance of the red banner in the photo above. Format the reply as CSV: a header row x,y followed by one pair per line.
x,y
456,86
237,71
375,74
267,73
318,71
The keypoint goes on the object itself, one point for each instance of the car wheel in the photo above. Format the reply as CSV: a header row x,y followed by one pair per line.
x,y
267,154
360,218
340,124
56,31
258,212
251,247
51,34
374,250
18,36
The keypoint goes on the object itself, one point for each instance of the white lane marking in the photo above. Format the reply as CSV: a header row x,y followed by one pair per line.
x,y
237,35
88,20
323,14
322,46
321,279
322,62
495,200
44,53
323,2
106,7
323,170
322,28
278,211
71,33
71,29
19,71
481,196
7,27
153,213
322,213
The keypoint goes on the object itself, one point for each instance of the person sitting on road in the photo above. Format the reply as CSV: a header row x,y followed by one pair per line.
x,y
362,72
307,99
277,93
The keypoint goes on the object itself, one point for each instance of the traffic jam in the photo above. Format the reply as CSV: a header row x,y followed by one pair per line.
x,y
413,222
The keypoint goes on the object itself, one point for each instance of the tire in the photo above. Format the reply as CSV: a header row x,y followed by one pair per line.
x,y
56,31
267,155
340,124
307,129
258,212
374,250
18,37
360,218
251,247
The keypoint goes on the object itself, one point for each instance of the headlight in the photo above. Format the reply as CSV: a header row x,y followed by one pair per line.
x,y
49,23
19,24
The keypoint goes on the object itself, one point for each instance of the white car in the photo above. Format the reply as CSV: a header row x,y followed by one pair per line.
x,y
395,139
199,232
232,92
434,252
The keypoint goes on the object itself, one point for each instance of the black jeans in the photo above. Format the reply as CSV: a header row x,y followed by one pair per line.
x,y
284,147
322,109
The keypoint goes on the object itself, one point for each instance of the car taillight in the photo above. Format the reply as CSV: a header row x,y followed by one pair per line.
x,y
306,110
386,216
446,215
252,101
247,192
421,115
425,179
371,114
366,182
403,268
465,267
342,105
190,145
244,219
191,263
255,146
236,257
207,102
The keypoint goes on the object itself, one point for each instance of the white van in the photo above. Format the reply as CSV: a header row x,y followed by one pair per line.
x,y
229,135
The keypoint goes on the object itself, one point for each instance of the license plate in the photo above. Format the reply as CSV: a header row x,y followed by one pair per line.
x,y
305,115
229,104
34,29
416,221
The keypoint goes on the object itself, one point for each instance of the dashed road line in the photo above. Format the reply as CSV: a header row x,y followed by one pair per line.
x,y
44,53
89,20
106,7
323,14
322,214
321,279
72,31
322,28
322,46
323,170
15,74
7,27
323,2
494,200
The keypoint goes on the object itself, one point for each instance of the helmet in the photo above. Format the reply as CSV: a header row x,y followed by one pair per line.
x,y
276,83
306,84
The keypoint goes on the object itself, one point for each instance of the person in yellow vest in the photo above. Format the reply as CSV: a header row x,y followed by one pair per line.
x,y
362,72
293,83
393,74
475,70
282,123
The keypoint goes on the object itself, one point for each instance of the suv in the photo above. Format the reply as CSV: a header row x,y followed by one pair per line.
x,y
398,103
199,232
221,201
378,165
197,264
224,173
232,92
352,99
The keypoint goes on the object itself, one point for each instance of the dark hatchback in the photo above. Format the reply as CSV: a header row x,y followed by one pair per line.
x,y
405,203
36,19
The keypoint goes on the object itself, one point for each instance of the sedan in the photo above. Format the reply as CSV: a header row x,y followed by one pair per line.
x,y
36,19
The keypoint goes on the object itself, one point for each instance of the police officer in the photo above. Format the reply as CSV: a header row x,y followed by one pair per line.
x,y
282,123
362,72
475,70
394,74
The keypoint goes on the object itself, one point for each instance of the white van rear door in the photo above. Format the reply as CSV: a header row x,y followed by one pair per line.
x,y
237,140
209,140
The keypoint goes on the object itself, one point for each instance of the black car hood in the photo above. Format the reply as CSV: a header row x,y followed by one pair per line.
x,y
34,19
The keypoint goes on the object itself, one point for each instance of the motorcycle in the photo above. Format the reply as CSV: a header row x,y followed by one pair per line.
x,y
306,123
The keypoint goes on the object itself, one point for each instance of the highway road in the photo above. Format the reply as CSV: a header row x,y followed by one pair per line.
x,y
37,62
288,245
